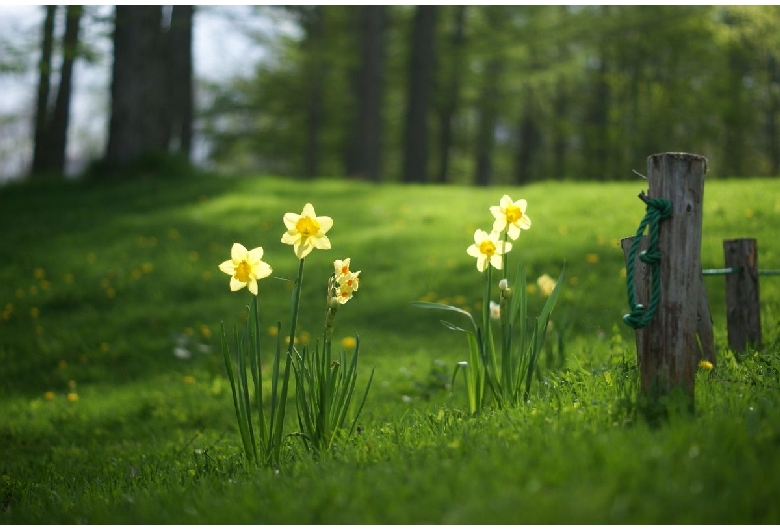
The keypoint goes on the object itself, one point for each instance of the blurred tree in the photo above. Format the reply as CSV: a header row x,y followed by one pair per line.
x,y
450,89
151,84
366,143
421,61
51,127
180,79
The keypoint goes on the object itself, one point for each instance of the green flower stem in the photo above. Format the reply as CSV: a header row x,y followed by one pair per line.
x,y
279,425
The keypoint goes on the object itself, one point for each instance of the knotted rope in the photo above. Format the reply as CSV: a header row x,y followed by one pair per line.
x,y
657,210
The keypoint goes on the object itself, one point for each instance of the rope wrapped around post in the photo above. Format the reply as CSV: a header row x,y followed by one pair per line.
x,y
657,210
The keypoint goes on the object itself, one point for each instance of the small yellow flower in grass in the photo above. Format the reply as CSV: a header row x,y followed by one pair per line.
x,y
488,249
72,396
592,258
306,231
510,216
48,396
189,379
705,365
348,342
273,331
245,267
546,284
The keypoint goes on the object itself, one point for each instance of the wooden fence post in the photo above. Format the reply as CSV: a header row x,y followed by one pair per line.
x,y
742,296
670,348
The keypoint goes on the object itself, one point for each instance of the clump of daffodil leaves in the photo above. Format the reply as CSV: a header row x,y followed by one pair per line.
x,y
501,373
324,384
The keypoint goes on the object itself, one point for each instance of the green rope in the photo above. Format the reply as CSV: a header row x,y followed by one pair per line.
x,y
657,210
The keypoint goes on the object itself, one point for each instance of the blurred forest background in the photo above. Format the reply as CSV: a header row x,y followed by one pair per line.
x,y
426,94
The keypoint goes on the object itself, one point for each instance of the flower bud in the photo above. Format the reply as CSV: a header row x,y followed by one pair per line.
x,y
503,284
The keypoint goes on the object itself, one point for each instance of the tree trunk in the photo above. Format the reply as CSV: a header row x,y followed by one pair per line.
x,y
314,27
772,117
58,126
180,77
44,84
420,87
529,138
139,112
450,107
486,130
371,88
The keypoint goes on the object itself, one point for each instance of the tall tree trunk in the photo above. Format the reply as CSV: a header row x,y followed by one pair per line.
x,y
596,135
140,122
58,126
44,86
452,97
420,87
180,77
772,117
371,89
486,128
560,129
529,138
314,27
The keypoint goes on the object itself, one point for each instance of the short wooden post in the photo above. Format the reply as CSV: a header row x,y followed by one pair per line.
x,y
742,296
671,350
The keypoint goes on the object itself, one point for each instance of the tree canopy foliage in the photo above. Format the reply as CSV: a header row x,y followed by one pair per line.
x,y
511,93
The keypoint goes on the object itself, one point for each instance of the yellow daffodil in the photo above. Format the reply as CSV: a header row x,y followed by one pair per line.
x,y
546,284
306,231
510,216
347,285
341,267
488,248
245,267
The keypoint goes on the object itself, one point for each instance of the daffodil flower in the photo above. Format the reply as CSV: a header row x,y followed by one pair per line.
x,y
487,248
347,285
341,267
546,284
510,216
495,310
245,267
306,231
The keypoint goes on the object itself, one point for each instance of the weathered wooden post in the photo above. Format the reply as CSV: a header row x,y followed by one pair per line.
x,y
670,351
742,296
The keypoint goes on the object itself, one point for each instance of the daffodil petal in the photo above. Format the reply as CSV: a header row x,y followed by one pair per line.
x,y
255,255
321,242
326,223
228,267
235,285
290,219
238,252
252,286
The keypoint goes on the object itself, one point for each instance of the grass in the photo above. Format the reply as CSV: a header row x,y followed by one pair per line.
x,y
102,283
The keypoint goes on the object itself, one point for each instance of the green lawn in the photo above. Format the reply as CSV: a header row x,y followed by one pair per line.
x,y
116,407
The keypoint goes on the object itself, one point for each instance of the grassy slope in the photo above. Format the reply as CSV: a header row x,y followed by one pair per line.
x,y
97,280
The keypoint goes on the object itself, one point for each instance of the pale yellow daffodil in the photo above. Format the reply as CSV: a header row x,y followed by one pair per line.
x,y
341,267
347,285
245,267
495,310
306,231
487,248
510,216
546,284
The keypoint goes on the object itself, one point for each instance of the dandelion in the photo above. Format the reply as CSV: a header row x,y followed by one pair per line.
x,y
592,258
348,342
245,267
48,396
488,248
495,310
72,396
705,365
510,216
546,284
306,231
